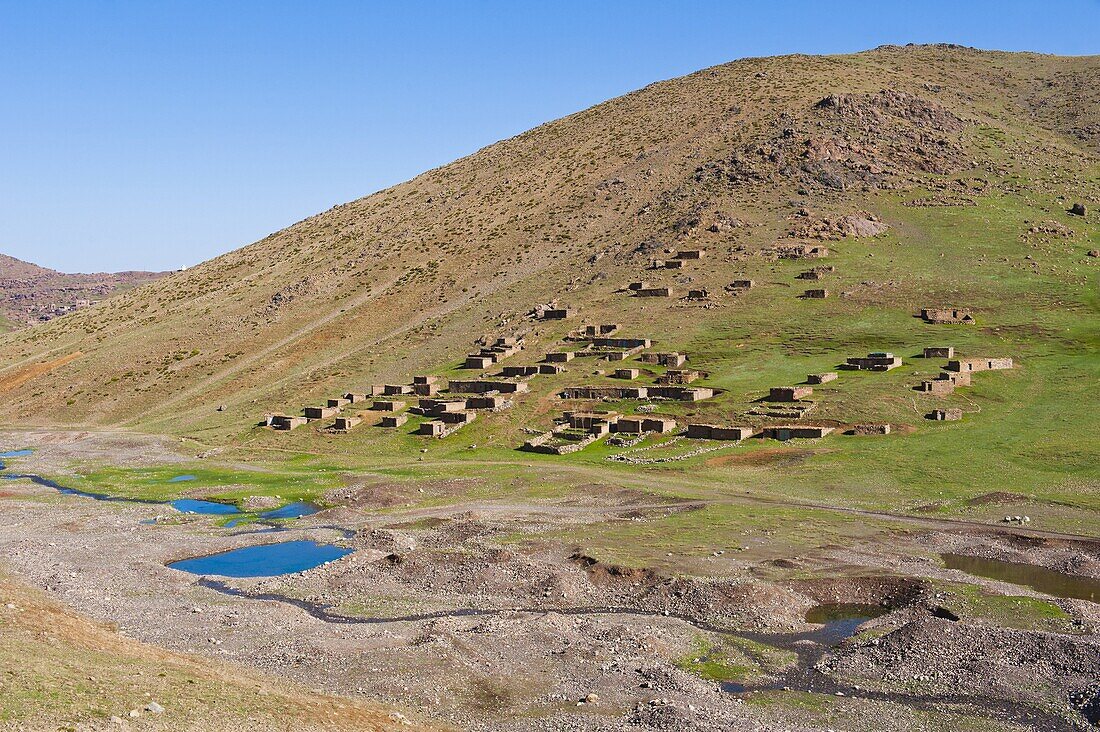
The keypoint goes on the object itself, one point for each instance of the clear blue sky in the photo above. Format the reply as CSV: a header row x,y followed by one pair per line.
x,y
154,134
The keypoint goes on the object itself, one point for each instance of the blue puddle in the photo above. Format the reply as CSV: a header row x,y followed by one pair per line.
x,y
15,453
265,560
195,505
291,510
181,478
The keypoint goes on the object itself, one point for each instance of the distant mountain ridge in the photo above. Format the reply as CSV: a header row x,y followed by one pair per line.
x,y
12,268
30,293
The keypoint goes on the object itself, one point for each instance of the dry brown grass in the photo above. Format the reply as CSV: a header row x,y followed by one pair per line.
x,y
58,668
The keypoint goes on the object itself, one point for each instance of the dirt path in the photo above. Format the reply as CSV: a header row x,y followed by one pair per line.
x,y
647,481
25,374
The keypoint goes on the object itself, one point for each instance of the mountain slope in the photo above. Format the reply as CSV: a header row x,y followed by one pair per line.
x,y
760,151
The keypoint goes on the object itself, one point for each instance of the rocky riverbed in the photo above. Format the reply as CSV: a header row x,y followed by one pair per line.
x,y
450,618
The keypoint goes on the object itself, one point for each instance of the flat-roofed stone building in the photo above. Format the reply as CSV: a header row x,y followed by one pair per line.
x,y
720,432
480,386
951,414
937,387
394,420
346,423
874,361
604,392
285,422
790,393
637,424
971,365
792,432
433,428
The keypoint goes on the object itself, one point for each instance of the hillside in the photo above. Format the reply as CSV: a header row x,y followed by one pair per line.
x,y
960,152
32,294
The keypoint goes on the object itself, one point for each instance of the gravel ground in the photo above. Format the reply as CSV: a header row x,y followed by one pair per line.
x,y
530,662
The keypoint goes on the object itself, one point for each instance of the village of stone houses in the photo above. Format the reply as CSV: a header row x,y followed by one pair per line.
x,y
763,398
605,358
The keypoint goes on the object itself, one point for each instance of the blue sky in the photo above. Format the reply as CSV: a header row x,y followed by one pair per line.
x,y
156,134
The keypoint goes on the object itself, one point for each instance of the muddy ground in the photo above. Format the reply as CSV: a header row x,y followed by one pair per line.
x,y
446,614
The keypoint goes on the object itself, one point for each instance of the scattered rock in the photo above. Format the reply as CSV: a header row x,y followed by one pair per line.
x,y
1077,209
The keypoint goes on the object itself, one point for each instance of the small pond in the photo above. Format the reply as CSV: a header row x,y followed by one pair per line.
x,y
1040,579
181,478
840,621
264,560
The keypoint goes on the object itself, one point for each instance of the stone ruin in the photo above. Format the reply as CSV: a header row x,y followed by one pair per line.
x,y
576,431
678,376
285,422
637,425
937,387
672,359
870,429
971,365
654,292
343,424
313,413
717,432
951,414
874,361
816,273
790,393
500,349
791,432
553,312
799,251
946,316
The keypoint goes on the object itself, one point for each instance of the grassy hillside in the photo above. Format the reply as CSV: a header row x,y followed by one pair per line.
x,y
971,158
